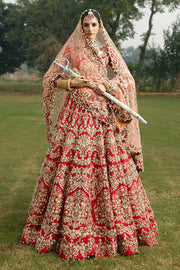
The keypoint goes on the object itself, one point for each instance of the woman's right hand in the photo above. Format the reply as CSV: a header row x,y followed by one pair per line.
x,y
80,82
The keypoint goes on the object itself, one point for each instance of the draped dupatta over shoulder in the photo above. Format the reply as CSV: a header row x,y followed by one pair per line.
x,y
84,58
89,199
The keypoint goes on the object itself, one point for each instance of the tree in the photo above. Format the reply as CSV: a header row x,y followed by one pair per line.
x,y
11,47
172,52
48,23
131,56
118,16
155,7
161,67
41,27
155,67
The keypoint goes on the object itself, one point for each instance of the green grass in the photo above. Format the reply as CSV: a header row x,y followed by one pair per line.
x,y
23,87
23,147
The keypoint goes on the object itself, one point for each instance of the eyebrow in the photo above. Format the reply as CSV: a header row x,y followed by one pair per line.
x,y
86,24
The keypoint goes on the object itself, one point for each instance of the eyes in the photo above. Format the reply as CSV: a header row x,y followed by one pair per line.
x,y
88,24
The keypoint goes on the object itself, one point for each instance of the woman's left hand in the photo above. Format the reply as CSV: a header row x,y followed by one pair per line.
x,y
99,89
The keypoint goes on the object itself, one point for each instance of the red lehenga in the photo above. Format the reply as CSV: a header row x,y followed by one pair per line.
x,y
89,199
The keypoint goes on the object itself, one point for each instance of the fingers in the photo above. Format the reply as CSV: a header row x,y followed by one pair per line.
x,y
80,82
83,82
86,82
99,89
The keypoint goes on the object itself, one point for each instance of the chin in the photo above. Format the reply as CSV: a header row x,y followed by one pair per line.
x,y
91,39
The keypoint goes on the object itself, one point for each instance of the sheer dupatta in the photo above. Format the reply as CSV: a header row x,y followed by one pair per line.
x,y
85,59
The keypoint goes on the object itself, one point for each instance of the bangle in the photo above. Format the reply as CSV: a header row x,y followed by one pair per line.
x,y
58,83
107,86
62,83
69,85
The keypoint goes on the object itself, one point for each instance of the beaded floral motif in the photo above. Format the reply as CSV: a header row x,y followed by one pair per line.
x,y
89,198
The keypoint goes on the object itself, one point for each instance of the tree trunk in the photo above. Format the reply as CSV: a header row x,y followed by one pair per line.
x,y
146,39
115,26
176,85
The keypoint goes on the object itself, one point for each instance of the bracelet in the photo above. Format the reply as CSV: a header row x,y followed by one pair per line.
x,y
107,86
61,83
69,85
64,84
58,83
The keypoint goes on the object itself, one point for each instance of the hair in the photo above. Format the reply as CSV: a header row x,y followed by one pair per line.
x,y
95,13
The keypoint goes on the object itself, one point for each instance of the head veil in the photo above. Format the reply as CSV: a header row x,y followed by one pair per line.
x,y
77,50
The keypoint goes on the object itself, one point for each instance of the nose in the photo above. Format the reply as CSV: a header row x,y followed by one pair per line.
x,y
90,28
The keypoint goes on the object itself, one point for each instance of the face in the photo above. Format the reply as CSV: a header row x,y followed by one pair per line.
x,y
90,27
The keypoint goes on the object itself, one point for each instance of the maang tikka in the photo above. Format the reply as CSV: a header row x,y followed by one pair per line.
x,y
90,14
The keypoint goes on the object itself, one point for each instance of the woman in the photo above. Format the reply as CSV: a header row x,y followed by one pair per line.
x,y
89,200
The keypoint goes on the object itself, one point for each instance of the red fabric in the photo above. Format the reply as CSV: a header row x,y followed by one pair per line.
x,y
87,59
89,199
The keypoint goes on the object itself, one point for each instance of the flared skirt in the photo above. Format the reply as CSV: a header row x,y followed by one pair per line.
x,y
89,199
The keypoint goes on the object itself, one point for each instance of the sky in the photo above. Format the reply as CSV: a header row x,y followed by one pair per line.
x,y
161,21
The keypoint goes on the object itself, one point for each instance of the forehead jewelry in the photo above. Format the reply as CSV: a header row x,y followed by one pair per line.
x,y
90,14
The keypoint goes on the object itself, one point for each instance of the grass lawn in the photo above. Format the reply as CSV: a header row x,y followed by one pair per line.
x,y
23,147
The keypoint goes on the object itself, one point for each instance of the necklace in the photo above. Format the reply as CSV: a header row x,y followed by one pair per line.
x,y
97,46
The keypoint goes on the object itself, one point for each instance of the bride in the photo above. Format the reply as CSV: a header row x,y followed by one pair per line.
x,y
89,200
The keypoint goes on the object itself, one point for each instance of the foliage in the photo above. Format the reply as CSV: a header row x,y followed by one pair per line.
x,y
118,16
33,31
160,70
43,26
164,64
155,68
130,54
11,46
47,25
172,52
155,6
